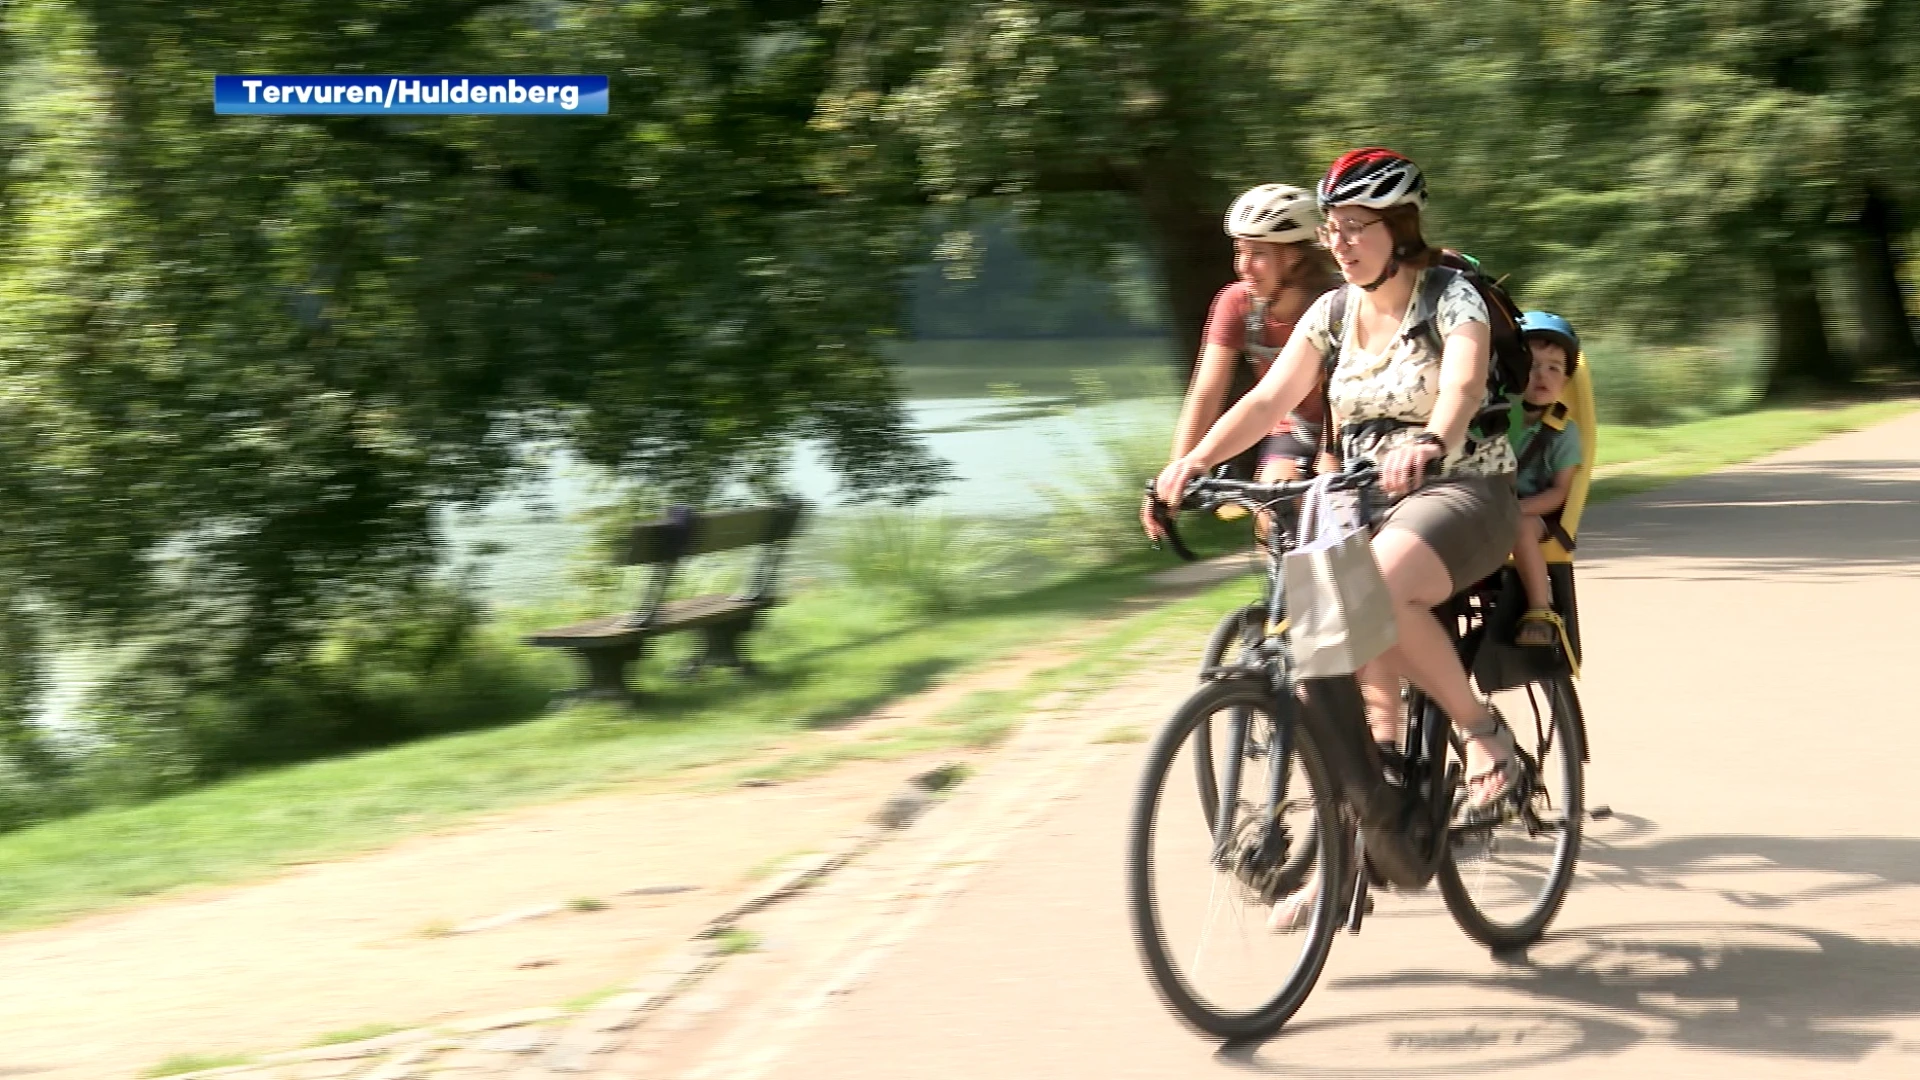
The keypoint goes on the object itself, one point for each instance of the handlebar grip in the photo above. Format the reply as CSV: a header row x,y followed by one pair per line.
x,y
1164,517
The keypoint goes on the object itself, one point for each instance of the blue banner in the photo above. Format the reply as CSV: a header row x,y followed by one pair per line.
x,y
417,95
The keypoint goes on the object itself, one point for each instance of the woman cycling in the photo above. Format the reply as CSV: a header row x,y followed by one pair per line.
x,y
1280,272
1406,405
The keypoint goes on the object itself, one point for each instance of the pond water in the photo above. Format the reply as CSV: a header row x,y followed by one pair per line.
x,y
1001,414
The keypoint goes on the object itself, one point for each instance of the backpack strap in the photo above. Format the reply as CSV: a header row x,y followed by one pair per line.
x,y
1425,317
1254,329
1336,331
1330,359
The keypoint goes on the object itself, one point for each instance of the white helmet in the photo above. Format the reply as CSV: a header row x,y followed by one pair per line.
x,y
1275,213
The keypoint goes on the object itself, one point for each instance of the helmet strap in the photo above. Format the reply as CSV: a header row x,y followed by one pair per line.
x,y
1393,267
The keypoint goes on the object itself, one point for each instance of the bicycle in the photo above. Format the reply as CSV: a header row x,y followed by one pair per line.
x,y
1325,815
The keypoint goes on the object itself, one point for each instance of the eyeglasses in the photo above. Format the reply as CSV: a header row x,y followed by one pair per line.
x,y
1348,231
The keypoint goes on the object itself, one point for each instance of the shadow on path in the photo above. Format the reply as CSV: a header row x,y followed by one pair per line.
x,y
1838,516
1755,988
1431,1042
1761,873
1778,990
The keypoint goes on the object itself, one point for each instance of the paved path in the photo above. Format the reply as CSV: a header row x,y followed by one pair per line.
x,y
1752,910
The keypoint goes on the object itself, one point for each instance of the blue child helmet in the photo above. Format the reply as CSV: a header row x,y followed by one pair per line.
x,y
1555,327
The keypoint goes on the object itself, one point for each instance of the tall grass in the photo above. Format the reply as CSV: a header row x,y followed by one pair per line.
x,y
930,563
1093,488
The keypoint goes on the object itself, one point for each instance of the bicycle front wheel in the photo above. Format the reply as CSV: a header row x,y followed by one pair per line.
x,y
1201,911
1504,883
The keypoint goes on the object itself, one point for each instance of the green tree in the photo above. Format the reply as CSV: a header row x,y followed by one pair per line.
x,y
1099,125
245,358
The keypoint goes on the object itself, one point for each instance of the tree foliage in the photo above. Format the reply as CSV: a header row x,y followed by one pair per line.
x,y
243,360
269,346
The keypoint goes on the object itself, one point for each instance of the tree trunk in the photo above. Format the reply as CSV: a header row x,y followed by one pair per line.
x,y
1196,259
1803,359
1194,252
1886,331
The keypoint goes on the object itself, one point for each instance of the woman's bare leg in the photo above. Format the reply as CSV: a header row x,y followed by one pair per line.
x,y
1380,682
1418,581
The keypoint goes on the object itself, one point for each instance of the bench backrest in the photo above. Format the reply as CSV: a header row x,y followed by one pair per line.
x,y
669,540
683,534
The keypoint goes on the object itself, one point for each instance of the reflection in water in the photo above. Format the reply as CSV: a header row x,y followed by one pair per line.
x,y
998,447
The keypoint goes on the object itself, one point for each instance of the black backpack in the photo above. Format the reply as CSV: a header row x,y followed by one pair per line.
x,y
1511,363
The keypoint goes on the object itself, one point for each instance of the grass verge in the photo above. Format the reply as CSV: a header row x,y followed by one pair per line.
x,y
354,1035
1637,459
833,660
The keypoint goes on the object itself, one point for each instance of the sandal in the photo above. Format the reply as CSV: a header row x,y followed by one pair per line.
x,y
1393,762
1502,784
1539,628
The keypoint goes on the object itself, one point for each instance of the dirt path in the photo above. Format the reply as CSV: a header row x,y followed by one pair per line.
x,y
1750,910
534,908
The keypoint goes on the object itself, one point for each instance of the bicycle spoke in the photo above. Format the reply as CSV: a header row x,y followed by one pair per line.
x,y
1208,947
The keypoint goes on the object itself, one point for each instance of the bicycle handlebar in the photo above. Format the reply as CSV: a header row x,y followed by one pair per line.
x,y
1208,492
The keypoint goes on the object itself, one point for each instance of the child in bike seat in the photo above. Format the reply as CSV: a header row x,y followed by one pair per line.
x,y
1547,445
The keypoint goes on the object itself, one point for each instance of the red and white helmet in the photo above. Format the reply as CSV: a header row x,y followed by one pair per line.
x,y
1275,213
1373,177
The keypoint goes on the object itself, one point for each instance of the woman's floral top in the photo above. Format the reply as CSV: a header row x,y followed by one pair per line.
x,y
1402,383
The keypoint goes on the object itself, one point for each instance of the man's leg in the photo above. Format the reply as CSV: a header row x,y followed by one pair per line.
x,y
1278,469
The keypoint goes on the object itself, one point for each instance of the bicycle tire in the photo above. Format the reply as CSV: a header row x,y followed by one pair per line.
x,y
1143,907
1568,758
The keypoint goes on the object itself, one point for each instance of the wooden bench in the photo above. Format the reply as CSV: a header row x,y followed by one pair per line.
x,y
608,646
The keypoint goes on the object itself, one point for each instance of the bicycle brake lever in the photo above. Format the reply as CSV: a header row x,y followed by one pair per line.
x,y
1164,517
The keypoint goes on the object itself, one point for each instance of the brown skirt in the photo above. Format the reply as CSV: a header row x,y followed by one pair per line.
x,y
1469,521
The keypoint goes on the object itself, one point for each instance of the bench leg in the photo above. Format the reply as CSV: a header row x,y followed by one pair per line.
x,y
607,672
722,647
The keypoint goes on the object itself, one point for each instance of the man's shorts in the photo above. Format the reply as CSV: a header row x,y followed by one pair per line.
x,y
1289,447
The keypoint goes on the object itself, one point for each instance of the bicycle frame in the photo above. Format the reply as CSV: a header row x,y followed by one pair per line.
x,y
1399,830
1402,829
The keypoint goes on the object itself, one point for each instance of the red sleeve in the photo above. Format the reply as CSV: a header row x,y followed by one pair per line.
x,y
1227,321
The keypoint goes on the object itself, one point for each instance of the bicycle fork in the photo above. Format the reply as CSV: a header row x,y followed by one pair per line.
x,y
1279,752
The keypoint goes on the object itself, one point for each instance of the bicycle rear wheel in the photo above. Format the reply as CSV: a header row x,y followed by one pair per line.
x,y
1504,883
1199,919
1234,636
